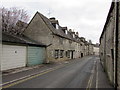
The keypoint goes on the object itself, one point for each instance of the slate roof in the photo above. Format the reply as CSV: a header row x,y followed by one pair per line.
x,y
19,39
58,32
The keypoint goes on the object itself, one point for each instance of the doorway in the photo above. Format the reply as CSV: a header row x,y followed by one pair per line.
x,y
81,54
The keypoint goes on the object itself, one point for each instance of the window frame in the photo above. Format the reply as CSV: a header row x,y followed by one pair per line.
x,y
61,53
56,53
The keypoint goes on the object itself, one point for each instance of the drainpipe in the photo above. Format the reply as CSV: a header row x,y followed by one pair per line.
x,y
116,40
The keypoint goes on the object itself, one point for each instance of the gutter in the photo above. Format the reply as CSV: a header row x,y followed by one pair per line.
x,y
49,45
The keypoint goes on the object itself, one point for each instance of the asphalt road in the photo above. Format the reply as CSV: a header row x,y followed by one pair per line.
x,y
81,73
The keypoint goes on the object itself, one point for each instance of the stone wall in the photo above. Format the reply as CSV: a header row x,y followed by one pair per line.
x,y
58,47
118,63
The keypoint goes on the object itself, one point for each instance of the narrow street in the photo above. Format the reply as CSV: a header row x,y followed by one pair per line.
x,y
86,73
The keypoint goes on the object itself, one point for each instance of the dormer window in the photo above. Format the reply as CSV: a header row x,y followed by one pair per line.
x,y
54,25
66,32
57,27
54,22
73,35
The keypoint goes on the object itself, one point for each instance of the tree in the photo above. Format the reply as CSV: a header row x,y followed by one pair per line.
x,y
10,17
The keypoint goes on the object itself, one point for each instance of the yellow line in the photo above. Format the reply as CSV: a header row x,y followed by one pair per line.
x,y
20,81
88,85
90,80
31,77
24,77
7,86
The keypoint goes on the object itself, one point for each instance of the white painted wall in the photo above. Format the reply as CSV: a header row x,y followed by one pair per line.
x,y
96,50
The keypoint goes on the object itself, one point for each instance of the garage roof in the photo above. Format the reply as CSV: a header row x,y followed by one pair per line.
x,y
19,39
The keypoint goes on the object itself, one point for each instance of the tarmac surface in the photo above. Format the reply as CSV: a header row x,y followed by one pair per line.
x,y
85,72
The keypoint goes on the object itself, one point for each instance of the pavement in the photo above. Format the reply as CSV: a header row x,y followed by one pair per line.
x,y
85,72
21,69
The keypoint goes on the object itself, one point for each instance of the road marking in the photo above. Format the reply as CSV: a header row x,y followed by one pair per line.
x,y
17,81
14,83
97,77
31,77
28,77
24,77
91,78
91,82
88,85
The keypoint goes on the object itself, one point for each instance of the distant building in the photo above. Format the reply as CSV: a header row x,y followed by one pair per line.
x,y
96,49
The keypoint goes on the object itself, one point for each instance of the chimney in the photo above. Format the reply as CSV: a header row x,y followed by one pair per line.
x,y
70,30
73,34
52,18
82,38
64,29
77,33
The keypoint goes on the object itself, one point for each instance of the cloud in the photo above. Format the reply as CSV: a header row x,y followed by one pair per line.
x,y
85,16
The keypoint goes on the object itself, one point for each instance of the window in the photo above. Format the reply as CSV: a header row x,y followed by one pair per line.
x,y
56,54
73,35
57,27
68,54
66,32
61,53
101,53
61,40
54,25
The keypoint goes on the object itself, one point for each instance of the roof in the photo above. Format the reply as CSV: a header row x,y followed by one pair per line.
x,y
58,32
19,39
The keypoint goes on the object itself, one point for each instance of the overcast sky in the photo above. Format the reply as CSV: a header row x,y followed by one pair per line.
x,y
85,16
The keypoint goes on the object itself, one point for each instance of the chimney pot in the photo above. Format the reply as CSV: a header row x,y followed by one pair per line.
x,y
52,18
70,30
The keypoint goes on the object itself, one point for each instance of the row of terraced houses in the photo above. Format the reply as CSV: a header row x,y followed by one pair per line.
x,y
42,41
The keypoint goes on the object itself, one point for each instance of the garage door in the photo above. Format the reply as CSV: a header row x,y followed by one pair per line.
x,y
13,57
36,55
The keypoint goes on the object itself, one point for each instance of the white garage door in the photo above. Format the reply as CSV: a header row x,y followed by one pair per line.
x,y
13,57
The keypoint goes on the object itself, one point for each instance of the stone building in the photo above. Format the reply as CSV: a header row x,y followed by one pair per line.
x,y
110,45
62,44
96,49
